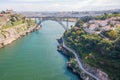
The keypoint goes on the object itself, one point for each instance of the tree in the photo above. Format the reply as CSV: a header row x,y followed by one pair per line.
x,y
78,32
3,12
112,34
79,23
115,12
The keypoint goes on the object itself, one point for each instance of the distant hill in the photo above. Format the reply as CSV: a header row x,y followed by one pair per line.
x,y
70,13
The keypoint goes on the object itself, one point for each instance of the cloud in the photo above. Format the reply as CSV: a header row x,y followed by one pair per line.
x,y
43,0
60,5
98,4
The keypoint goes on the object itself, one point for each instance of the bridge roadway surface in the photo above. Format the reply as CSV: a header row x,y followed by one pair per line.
x,y
79,62
35,16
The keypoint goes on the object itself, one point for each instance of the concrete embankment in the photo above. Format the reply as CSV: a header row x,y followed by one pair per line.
x,y
9,35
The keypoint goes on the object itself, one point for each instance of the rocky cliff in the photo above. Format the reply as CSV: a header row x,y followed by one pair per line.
x,y
9,35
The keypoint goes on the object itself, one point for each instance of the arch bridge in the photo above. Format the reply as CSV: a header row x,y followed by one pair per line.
x,y
57,19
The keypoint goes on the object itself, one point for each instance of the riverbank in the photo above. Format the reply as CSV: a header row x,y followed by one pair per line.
x,y
70,64
79,67
7,36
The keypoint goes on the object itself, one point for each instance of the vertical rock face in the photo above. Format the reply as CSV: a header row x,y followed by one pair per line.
x,y
8,35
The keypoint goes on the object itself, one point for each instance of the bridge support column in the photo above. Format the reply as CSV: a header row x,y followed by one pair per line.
x,y
35,20
40,20
67,24
78,18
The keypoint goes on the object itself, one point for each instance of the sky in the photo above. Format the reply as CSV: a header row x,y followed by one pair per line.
x,y
59,5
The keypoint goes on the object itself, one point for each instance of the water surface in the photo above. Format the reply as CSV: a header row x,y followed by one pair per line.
x,y
35,57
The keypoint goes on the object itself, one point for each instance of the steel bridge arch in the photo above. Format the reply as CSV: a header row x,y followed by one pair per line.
x,y
58,20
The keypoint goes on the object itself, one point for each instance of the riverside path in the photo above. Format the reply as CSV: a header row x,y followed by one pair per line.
x,y
79,62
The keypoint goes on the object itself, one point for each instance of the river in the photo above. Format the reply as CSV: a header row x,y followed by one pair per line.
x,y
35,56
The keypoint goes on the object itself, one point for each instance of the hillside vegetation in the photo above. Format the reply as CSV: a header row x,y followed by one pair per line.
x,y
14,26
99,52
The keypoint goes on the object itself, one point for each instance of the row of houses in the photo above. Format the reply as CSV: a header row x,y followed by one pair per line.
x,y
110,23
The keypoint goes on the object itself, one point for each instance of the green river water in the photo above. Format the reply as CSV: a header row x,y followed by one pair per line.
x,y
35,57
